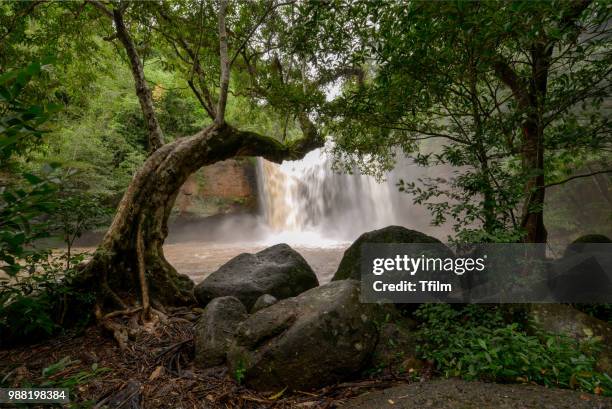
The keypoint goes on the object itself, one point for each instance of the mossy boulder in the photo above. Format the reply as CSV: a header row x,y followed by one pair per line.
x,y
318,338
564,320
278,270
350,265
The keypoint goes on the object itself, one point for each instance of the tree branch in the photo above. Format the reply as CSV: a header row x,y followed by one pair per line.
x,y
105,10
225,64
577,177
507,75
156,137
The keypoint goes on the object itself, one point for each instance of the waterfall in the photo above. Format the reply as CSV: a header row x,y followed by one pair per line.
x,y
307,199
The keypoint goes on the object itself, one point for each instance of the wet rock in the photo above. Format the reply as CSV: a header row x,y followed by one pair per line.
x,y
278,270
262,302
317,338
215,330
350,266
565,320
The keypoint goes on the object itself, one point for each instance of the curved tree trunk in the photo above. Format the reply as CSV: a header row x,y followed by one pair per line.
x,y
146,206
130,263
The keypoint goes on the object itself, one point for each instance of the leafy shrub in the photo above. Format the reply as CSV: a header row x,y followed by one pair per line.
x,y
22,219
475,342
34,297
63,374
36,304
21,122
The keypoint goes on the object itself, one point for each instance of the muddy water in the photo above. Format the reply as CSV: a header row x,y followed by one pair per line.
x,y
199,259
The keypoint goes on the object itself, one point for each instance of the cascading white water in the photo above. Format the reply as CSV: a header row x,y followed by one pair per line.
x,y
307,201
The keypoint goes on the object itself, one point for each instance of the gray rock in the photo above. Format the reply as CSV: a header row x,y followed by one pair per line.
x,y
319,337
262,302
350,265
278,270
215,330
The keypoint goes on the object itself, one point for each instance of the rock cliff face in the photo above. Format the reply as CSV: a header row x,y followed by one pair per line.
x,y
225,187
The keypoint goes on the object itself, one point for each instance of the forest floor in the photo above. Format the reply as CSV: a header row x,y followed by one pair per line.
x,y
155,371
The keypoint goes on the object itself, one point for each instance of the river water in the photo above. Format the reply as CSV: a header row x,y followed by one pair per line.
x,y
198,260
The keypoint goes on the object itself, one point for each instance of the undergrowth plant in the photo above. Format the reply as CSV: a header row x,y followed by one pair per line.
x,y
476,342
62,374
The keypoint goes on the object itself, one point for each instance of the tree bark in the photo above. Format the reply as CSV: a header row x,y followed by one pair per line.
x,y
113,273
225,64
533,145
530,98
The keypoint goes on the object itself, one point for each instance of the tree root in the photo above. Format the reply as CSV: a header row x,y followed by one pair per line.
x,y
119,331
146,307
122,332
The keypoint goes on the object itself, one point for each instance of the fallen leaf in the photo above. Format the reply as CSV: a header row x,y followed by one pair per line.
x,y
278,394
156,373
585,397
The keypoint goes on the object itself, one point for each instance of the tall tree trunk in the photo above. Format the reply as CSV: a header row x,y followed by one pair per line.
x,y
533,165
145,207
531,98
533,144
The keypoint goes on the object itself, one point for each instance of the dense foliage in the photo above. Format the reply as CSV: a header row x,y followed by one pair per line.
x,y
509,96
481,342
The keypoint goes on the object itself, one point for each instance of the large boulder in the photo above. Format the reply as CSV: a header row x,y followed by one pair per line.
x,y
278,270
564,320
350,266
215,329
317,338
592,238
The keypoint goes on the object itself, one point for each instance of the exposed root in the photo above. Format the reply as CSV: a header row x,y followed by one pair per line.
x,y
119,331
146,308
127,311
123,332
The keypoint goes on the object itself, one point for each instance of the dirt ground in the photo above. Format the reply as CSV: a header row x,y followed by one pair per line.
x,y
457,394
154,372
